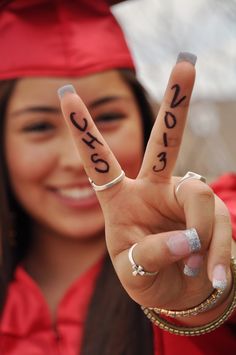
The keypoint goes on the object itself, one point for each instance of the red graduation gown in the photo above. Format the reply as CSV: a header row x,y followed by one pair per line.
x,y
26,327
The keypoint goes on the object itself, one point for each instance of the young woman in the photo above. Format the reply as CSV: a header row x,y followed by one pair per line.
x,y
169,238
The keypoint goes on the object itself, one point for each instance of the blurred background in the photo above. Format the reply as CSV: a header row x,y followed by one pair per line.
x,y
156,32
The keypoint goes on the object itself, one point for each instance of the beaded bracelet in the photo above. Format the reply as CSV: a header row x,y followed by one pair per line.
x,y
202,307
198,330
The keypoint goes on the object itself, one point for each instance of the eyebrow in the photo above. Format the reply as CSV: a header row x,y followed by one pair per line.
x,y
30,109
105,100
54,110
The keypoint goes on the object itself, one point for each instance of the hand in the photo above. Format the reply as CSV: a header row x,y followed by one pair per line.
x,y
148,211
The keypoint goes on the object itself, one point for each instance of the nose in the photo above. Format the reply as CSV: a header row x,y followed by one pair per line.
x,y
70,157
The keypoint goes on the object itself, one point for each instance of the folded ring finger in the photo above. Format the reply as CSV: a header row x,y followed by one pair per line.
x,y
197,201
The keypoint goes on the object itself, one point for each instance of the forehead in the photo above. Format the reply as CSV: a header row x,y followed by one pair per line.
x,y
44,90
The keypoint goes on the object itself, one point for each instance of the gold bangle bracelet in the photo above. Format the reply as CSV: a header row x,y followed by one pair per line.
x,y
198,330
202,307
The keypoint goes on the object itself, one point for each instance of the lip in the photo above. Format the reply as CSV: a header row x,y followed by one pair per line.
x,y
75,196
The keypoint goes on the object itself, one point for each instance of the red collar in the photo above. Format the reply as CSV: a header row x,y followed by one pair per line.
x,y
225,188
26,309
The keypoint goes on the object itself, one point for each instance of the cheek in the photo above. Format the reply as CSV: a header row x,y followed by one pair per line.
x,y
29,162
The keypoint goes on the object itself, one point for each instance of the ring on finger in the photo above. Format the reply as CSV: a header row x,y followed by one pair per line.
x,y
109,184
189,176
137,269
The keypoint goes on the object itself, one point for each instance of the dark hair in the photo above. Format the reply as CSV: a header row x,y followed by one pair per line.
x,y
8,257
125,330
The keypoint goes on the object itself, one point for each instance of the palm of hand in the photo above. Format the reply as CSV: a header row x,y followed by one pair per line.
x,y
151,214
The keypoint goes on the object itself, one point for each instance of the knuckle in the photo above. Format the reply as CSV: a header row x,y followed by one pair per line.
x,y
174,142
204,193
196,189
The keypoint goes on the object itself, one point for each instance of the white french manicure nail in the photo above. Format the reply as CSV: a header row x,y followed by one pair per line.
x,y
193,265
219,277
193,239
187,57
191,272
184,242
66,89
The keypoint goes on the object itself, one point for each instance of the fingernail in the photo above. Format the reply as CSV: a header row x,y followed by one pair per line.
x,y
219,277
187,57
193,265
193,239
66,89
184,243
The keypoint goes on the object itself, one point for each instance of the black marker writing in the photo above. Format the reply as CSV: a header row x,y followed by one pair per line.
x,y
75,123
91,141
165,139
162,159
170,120
175,103
95,159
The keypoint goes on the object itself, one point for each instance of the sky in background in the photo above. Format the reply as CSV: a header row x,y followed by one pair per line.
x,y
158,30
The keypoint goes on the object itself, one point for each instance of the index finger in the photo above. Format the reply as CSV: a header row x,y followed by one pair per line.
x,y
99,162
165,140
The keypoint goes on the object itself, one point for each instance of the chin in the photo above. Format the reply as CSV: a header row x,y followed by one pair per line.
x,y
83,232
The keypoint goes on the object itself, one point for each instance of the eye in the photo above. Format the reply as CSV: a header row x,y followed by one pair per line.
x,y
38,127
109,117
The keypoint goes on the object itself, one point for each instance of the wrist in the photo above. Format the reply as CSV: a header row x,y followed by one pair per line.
x,y
214,312
220,314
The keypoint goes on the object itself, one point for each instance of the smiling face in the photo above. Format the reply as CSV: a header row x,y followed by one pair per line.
x,y
46,174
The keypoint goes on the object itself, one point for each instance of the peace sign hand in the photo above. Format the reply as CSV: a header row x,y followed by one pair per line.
x,y
149,212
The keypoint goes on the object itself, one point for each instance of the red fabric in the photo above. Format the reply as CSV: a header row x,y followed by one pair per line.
x,y
225,188
26,327
219,342
60,38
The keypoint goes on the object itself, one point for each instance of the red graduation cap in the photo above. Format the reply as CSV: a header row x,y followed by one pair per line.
x,y
60,38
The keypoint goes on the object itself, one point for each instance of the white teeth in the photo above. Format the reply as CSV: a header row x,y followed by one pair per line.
x,y
76,193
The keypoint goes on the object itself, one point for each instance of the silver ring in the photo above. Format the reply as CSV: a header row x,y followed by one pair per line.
x,y
108,184
137,269
189,175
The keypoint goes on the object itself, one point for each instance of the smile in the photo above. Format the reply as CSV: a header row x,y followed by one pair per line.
x,y
79,197
76,192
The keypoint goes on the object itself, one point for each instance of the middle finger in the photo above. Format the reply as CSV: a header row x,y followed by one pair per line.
x,y
164,143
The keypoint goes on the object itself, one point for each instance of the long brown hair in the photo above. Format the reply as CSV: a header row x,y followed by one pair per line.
x,y
115,324
8,251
